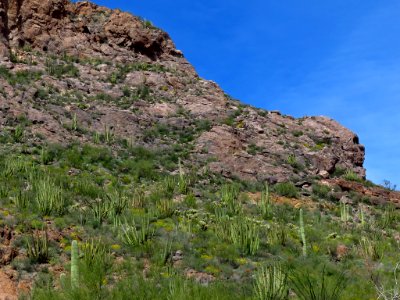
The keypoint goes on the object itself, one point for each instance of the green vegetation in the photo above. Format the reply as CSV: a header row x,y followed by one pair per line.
x,y
351,176
122,70
37,248
118,219
58,69
254,149
20,77
292,160
297,133
128,211
287,189
271,282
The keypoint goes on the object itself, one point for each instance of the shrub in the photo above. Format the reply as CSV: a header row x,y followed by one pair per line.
x,y
321,191
18,134
253,149
59,69
203,125
287,189
292,160
323,286
297,133
338,172
20,77
352,176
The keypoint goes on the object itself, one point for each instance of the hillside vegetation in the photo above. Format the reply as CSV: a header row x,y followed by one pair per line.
x,y
123,175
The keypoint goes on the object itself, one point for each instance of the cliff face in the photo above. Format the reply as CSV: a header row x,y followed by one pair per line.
x,y
99,68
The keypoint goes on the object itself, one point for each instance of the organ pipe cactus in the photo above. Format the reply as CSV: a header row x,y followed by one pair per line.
x,y
265,203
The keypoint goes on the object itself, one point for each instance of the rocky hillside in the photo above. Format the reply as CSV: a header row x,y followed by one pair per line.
x,y
111,69
118,160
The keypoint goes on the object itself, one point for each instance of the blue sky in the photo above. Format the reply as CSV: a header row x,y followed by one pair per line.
x,y
339,58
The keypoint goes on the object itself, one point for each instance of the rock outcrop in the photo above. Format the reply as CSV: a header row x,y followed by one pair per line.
x,y
84,29
108,69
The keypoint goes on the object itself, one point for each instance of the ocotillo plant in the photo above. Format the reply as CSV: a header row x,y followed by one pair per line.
x,y
74,265
302,233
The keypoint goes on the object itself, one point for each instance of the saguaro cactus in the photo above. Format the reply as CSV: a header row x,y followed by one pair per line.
x,y
302,233
74,265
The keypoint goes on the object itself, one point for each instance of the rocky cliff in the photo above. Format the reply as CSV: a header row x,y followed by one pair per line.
x,y
106,70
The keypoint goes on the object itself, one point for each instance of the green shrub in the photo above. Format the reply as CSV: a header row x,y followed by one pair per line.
x,y
18,133
352,176
253,149
339,172
321,191
119,75
59,69
292,160
286,189
20,77
203,125
297,133
143,92
322,286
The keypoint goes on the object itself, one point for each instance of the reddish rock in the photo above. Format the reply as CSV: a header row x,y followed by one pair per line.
x,y
200,277
8,289
341,251
376,194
